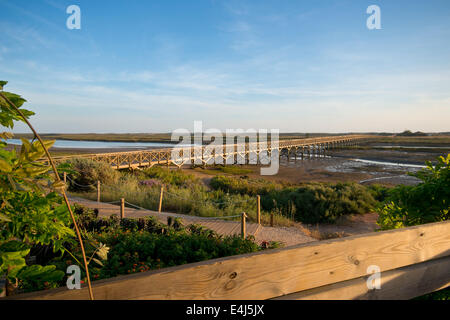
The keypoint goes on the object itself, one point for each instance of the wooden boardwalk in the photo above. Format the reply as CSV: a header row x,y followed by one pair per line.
x,y
221,226
244,153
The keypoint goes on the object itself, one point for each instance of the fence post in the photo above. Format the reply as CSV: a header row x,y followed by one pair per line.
x,y
271,219
98,190
160,199
243,229
258,209
122,208
65,177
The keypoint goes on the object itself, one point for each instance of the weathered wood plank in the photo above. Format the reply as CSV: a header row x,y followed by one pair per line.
x,y
274,273
398,284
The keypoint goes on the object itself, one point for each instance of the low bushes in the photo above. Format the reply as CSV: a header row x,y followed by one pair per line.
x,y
316,203
309,203
138,245
183,193
86,172
140,251
244,185
171,177
429,201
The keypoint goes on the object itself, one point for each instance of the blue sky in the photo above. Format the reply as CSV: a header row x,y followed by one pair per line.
x,y
298,66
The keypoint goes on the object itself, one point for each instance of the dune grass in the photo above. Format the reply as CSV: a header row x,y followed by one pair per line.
x,y
183,193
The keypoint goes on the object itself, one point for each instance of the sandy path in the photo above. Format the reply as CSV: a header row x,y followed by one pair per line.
x,y
289,236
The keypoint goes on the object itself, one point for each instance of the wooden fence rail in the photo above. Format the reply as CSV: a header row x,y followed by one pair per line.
x,y
413,261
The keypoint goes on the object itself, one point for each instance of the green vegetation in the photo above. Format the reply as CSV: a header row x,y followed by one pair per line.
x,y
86,172
308,203
183,193
37,243
137,245
423,203
220,169
426,202
31,211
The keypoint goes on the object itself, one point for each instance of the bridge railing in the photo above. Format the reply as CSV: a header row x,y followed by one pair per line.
x,y
407,262
226,148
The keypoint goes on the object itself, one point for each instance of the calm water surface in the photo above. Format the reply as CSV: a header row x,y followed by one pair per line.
x,y
100,144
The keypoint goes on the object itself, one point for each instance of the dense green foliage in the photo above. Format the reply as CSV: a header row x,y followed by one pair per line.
x,y
426,202
429,201
138,245
140,251
31,211
309,203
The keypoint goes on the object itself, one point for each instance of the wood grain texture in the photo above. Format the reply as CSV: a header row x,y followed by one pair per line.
x,y
279,272
398,284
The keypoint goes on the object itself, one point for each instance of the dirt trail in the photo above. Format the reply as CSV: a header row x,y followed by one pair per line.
x,y
289,236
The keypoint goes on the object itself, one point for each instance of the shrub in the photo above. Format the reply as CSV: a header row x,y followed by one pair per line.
x,y
139,252
88,172
309,203
243,185
379,192
138,245
426,202
172,177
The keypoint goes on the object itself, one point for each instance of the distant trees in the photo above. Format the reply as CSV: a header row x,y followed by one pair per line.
x,y
409,133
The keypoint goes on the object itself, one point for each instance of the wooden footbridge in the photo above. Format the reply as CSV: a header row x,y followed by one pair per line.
x,y
244,153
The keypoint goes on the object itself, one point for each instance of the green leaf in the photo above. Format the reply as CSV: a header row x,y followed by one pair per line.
x,y
2,84
5,166
97,261
4,218
14,98
12,246
39,273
